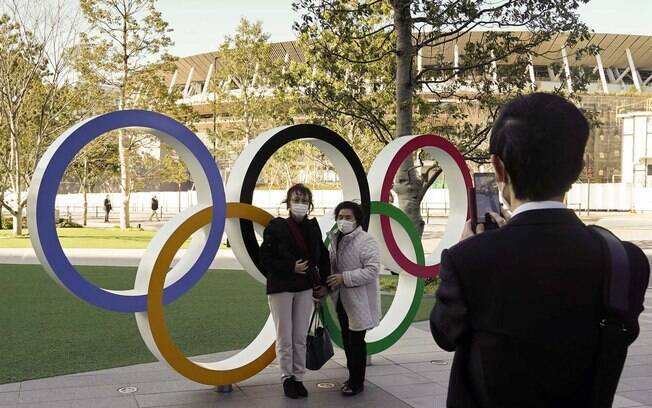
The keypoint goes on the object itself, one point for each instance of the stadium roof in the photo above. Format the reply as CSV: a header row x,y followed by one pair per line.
x,y
613,53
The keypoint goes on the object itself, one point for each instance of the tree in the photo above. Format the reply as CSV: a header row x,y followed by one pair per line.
x,y
173,170
245,73
36,99
365,56
95,164
126,38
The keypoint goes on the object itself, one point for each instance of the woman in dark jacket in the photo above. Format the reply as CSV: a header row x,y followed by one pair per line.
x,y
296,263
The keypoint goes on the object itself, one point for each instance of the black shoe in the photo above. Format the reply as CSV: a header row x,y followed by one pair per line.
x,y
289,388
301,390
349,391
345,384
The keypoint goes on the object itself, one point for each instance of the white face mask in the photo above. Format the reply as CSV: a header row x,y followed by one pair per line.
x,y
298,210
345,226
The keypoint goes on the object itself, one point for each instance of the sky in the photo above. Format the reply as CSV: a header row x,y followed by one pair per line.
x,y
200,25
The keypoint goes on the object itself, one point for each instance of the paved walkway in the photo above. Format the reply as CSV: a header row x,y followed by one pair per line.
x,y
109,257
412,373
632,227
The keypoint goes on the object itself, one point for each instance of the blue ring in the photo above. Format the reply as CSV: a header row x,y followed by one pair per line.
x,y
70,144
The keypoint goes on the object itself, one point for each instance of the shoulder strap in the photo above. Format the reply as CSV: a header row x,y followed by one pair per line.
x,y
298,238
616,294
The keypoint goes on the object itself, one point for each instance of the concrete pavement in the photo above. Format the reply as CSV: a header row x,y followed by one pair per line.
x,y
412,373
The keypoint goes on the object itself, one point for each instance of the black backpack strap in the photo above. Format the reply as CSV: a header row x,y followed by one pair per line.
x,y
617,281
614,338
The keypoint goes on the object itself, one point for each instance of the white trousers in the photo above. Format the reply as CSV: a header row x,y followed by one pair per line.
x,y
291,312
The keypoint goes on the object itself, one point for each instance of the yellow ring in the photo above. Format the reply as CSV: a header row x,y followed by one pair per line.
x,y
155,312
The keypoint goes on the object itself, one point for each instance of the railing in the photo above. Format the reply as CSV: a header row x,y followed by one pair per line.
x,y
141,212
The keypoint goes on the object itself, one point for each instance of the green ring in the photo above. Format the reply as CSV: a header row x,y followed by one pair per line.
x,y
382,208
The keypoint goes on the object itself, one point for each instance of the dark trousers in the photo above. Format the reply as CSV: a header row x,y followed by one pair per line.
x,y
106,216
355,349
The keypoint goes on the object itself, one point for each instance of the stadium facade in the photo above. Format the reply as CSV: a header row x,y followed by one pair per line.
x,y
622,86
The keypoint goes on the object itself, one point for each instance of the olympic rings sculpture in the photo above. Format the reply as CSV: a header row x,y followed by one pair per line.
x,y
219,208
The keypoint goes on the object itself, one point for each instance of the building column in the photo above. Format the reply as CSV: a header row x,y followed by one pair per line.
x,y
569,81
603,79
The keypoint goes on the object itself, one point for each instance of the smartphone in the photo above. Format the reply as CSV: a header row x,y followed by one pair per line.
x,y
485,200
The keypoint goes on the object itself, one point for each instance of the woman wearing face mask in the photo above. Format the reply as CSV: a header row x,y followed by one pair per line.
x,y
296,263
355,265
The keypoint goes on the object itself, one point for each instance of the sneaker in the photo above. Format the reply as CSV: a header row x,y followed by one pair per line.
x,y
349,391
289,388
301,390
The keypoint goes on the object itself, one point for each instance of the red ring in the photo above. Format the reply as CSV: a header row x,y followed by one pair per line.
x,y
417,142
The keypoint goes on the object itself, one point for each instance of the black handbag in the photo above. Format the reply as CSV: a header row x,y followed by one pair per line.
x,y
319,348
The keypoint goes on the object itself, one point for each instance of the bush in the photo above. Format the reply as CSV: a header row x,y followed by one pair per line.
x,y
8,223
388,284
63,223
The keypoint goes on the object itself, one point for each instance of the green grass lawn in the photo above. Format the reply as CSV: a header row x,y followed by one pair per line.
x,y
88,238
46,331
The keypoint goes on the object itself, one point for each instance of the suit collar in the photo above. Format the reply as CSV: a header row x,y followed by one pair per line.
x,y
546,216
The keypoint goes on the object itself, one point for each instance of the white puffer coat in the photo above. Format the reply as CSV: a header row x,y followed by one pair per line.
x,y
358,260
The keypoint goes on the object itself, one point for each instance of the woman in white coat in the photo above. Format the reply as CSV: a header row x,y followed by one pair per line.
x,y
355,265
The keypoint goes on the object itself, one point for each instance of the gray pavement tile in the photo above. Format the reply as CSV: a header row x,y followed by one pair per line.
x,y
117,402
397,379
70,393
145,367
8,398
636,383
9,387
386,369
440,377
333,398
640,359
644,397
222,404
416,390
427,367
101,379
377,360
642,370
437,401
418,357
190,397
622,402
327,374
261,379
637,350
424,325
275,390
170,386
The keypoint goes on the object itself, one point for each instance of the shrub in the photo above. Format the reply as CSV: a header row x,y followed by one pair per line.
x,y
63,223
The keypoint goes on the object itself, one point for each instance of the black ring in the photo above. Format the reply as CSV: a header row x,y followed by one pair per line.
x,y
280,139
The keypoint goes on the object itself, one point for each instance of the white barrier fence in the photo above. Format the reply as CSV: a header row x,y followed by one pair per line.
x,y
610,197
171,202
582,197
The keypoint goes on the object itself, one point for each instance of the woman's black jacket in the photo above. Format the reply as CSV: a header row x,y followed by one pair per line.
x,y
279,252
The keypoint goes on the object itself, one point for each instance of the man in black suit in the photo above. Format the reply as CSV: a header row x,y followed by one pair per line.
x,y
521,305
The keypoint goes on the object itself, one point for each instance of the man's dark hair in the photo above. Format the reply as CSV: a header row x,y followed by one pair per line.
x,y
358,213
541,139
301,190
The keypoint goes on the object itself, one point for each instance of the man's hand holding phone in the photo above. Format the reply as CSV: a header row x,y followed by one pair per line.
x,y
500,219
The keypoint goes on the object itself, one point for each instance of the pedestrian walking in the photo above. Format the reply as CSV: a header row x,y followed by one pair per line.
x,y
107,208
154,209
